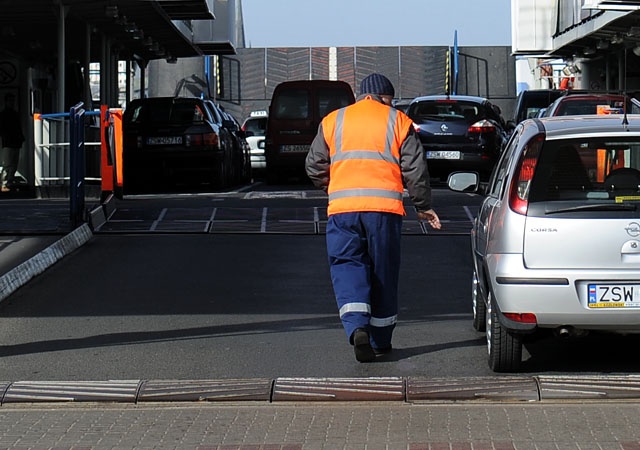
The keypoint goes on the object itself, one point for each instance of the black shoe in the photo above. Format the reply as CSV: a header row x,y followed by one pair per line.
x,y
382,350
362,347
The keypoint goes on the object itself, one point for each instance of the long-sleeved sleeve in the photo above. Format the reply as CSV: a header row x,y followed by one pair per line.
x,y
415,173
317,163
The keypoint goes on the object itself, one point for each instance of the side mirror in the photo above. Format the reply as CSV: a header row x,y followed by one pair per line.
x,y
464,181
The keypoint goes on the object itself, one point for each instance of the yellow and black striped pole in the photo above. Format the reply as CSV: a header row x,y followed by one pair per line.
x,y
447,73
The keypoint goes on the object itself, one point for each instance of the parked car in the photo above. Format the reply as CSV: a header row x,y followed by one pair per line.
x,y
296,109
171,139
556,241
458,132
530,102
241,154
401,104
573,104
227,138
255,127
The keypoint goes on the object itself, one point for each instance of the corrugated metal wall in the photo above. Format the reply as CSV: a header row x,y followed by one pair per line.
x,y
414,71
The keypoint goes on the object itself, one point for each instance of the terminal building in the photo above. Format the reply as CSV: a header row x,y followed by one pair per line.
x,y
51,50
593,43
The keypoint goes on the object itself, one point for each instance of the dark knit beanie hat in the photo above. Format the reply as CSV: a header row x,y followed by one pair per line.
x,y
377,84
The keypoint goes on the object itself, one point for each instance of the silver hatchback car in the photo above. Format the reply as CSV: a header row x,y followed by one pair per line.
x,y
556,241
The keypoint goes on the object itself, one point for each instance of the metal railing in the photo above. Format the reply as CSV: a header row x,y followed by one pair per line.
x,y
52,134
61,155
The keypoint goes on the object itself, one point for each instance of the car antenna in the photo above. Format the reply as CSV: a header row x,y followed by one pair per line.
x,y
625,120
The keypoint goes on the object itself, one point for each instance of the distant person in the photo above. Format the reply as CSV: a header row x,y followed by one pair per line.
x,y
567,83
12,139
361,156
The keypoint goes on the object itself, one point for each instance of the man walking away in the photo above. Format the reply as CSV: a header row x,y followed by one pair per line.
x,y
361,156
12,139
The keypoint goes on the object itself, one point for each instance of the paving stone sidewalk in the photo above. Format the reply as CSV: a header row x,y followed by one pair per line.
x,y
311,426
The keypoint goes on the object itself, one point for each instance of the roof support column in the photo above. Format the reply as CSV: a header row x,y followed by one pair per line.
x,y
62,14
127,89
607,77
105,71
622,71
114,77
143,78
87,68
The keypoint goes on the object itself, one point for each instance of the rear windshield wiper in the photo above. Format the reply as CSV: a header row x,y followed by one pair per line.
x,y
595,207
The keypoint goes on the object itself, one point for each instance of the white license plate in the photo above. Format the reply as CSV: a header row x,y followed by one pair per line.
x,y
613,296
294,148
164,140
443,154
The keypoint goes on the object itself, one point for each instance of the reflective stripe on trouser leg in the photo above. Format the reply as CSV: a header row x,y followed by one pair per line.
x,y
364,259
384,231
350,269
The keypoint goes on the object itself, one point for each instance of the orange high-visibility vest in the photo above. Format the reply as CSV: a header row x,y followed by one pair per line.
x,y
364,142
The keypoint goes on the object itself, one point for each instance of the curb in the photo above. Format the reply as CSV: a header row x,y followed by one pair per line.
x,y
21,274
399,389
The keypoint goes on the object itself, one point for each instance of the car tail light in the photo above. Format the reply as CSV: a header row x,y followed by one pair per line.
x,y
482,126
416,127
204,139
522,317
521,182
210,139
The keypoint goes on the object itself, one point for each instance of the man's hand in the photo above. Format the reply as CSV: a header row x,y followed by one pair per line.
x,y
431,218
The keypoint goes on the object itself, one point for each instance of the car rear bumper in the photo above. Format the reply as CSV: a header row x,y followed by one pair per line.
x,y
153,168
558,297
282,161
470,160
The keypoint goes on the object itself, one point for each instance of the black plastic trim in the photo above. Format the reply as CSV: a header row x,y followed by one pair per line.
x,y
534,281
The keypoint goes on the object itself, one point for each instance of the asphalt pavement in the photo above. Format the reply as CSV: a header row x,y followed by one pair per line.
x,y
405,412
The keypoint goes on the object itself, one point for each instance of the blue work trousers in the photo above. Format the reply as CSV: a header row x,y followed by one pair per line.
x,y
364,260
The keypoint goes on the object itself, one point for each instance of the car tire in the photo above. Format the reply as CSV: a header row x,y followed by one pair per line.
x,y
504,348
479,305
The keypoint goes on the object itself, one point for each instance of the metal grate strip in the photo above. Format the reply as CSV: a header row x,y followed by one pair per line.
x,y
258,389
31,391
480,388
339,389
589,387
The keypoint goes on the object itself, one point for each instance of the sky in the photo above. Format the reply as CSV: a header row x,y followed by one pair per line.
x,y
357,23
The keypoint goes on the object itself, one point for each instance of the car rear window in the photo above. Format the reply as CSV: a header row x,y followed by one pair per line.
x,y
446,109
330,99
257,126
292,104
593,169
157,112
581,107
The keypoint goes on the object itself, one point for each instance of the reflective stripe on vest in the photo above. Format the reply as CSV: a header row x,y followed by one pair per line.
x,y
365,159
